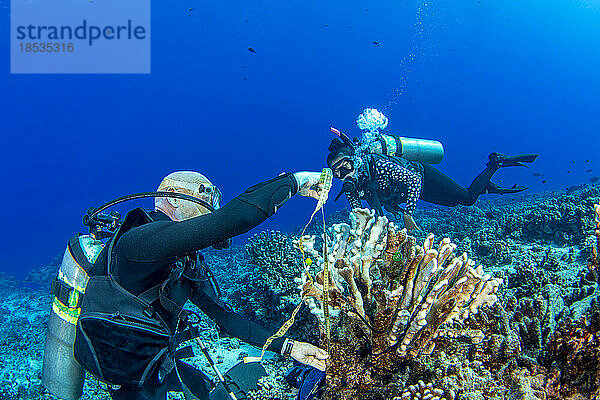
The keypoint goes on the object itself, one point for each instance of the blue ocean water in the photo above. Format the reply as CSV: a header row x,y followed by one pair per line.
x,y
478,75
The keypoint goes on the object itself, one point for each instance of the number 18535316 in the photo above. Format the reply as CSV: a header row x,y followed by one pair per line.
x,y
48,47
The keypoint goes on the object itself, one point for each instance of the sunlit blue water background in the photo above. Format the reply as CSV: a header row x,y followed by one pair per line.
x,y
480,76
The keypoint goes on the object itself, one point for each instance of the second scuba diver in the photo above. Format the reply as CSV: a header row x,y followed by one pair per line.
x,y
397,170
131,319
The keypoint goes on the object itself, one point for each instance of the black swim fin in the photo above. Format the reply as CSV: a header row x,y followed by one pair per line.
x,y
242,378
497,189
500,160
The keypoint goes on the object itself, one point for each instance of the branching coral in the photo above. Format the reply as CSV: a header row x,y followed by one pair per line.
x,y
389,299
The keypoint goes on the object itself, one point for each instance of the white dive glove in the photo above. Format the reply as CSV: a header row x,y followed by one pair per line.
x,y
305,353
307,182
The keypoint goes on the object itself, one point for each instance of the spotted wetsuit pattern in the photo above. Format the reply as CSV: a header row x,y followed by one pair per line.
x,y
389,173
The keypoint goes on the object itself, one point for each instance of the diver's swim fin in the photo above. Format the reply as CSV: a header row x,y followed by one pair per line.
x,y
497,189
500,160
242,378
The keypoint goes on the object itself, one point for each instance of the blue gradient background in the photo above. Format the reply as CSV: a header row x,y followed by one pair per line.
x,y
486,76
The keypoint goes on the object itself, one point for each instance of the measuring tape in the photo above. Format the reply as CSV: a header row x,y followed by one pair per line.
x,y
325,181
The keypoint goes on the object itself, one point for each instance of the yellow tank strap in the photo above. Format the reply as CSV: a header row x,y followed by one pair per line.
x,y
66,313
391,145
326,181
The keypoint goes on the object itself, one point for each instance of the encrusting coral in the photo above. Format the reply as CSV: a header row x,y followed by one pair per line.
x,y
389,299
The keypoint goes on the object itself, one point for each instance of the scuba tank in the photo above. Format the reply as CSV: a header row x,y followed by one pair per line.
x,y
61,374
412,149
422,150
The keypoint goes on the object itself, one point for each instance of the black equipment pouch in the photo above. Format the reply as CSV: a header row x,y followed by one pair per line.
x,y
120,338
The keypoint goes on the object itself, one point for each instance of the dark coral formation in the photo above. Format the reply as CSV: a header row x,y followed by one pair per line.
x,y
274,259
573,357
594,261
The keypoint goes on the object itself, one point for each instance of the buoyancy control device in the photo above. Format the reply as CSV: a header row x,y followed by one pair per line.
x,y
62,375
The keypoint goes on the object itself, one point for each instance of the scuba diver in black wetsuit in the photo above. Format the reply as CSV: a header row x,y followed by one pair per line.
x,y
118,306
385,178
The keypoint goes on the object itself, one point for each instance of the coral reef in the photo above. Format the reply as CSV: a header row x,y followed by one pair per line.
x,y
275,259
423,391
494,228
538,341
594,262
389,299
23,318
246,275
573,357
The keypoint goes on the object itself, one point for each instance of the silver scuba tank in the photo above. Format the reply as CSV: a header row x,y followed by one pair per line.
x,y
412,149
62,375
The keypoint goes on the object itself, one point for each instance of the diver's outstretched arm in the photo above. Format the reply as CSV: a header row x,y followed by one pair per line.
x,y
169,239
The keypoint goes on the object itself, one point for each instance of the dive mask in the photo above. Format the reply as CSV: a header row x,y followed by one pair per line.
x,y
342,168
210,194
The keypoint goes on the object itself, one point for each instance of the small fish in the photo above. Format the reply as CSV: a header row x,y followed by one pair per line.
x,y
251,50
245,78
587,160
544,181
325,25
376,43
572,161
594,179
366,10
244,66
589,170
568,171
537,174
191,10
